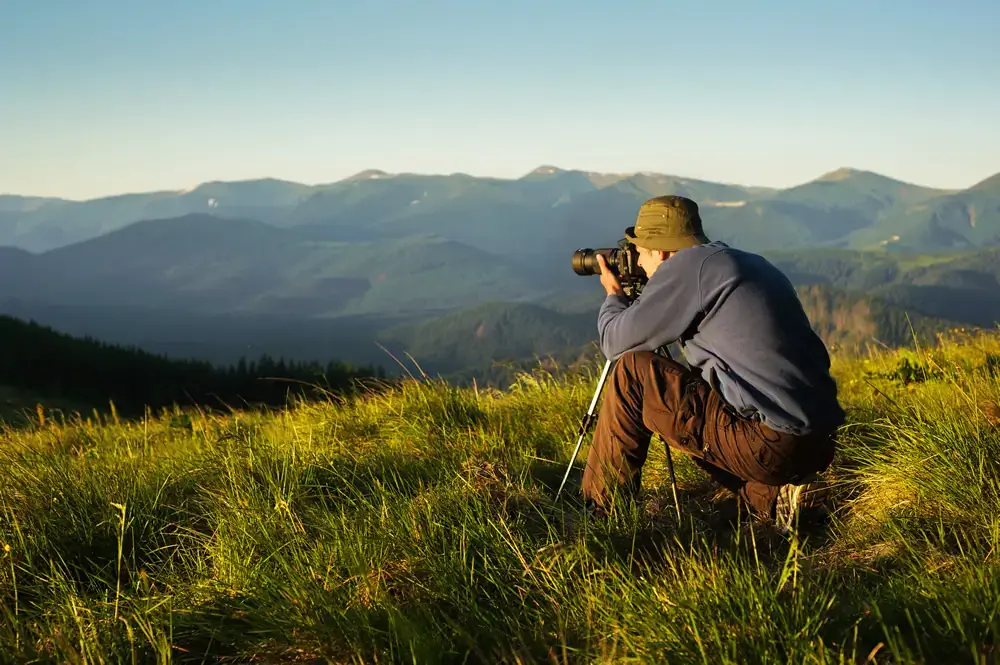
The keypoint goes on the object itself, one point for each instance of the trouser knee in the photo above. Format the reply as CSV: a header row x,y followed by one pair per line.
x,y
630,363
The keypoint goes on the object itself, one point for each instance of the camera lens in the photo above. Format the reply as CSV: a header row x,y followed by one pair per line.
x,y
585,262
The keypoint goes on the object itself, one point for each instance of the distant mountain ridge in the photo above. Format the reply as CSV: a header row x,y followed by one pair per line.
x,y
844,207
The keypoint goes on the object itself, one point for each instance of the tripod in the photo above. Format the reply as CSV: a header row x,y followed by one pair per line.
x,y
585,425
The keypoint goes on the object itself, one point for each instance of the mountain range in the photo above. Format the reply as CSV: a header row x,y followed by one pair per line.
x,y
844,208
461,271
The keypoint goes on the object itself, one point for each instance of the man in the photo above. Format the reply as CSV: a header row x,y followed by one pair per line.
x,y
758,410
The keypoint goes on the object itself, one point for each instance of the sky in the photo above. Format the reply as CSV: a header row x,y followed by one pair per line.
x,y
101,97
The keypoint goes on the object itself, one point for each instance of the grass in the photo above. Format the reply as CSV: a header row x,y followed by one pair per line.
x,y
418,525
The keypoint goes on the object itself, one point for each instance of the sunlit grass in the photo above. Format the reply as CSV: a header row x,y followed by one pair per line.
x,y
418,524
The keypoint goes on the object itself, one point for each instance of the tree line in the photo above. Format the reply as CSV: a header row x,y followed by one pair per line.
x,y
39,359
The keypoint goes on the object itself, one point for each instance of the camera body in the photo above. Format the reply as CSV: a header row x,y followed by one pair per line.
x,y
623,262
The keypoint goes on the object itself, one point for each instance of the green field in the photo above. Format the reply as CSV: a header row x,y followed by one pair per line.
x,y
417,524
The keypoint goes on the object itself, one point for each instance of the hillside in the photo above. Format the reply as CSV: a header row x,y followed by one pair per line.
x,y
964,288
420,524
19,405
492,343
856,322
961,287
495,342
989,186
81,374
852,269
957,286
201,263
437,301
959,220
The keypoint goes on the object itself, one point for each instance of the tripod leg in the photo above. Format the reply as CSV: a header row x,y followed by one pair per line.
x,y
585,424
673,480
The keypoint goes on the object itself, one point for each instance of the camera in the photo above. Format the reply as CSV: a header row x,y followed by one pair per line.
x,y
623,261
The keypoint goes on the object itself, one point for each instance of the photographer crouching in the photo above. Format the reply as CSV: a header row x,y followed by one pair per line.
x,y
758,409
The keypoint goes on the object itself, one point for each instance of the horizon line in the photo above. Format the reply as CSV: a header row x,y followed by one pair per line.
x,y
538,170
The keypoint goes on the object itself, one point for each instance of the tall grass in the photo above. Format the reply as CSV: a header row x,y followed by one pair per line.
x,y
417,524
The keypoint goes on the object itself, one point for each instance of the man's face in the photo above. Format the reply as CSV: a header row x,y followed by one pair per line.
x,y
649,259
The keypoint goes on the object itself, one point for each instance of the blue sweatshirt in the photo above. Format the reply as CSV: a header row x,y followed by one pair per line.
x,y
739,321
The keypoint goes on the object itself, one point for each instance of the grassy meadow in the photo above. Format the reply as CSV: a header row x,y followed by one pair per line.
x,y
417,524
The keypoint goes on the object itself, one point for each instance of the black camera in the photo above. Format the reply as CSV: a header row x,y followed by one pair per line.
x,y
623,261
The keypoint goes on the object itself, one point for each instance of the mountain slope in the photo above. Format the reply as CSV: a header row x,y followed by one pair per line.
x,y
990,186
12,261
965,288
55,222
218,338
857,321
209,264
14,203
79,371
863,191
472,342
492,332
959,220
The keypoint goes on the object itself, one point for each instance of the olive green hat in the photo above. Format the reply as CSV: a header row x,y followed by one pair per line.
x,y
668,224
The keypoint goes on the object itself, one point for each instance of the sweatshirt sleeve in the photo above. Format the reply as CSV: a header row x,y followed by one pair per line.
x,y
668,305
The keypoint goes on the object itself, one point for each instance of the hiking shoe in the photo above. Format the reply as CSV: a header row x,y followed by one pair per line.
x,y
809,495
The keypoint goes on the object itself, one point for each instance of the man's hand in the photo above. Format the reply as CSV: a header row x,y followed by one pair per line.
x,y
608,279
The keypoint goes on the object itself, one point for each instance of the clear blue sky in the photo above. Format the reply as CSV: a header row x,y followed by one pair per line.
x,y
108,96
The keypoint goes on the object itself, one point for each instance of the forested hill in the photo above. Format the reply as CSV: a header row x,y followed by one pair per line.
x,y
496,341
40,361
852,321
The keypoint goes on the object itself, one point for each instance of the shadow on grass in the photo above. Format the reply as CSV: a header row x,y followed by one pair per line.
x,y
345,483
277,629
74,525
645,531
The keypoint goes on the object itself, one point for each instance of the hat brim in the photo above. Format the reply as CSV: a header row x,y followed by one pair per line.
x,y
666,243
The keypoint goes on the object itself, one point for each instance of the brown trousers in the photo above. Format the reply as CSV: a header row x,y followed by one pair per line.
x,y
649,393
